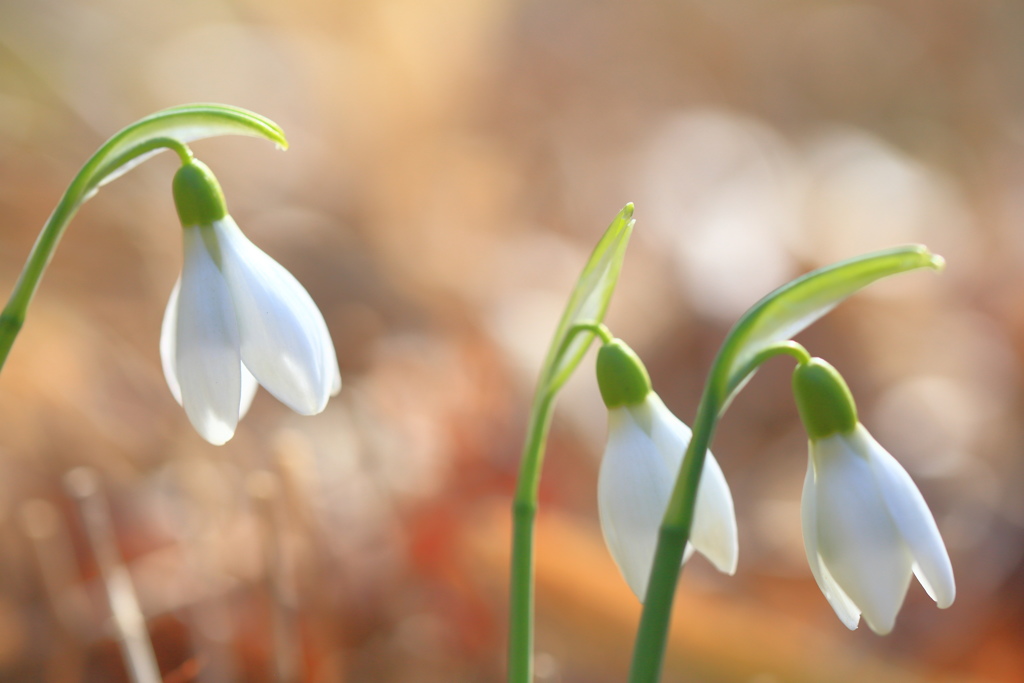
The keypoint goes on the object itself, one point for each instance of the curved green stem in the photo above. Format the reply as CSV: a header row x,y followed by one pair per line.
x,y
747,369
599,329
170,129
140,151
13,316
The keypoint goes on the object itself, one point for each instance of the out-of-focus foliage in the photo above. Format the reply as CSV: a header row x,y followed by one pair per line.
x,y
452,163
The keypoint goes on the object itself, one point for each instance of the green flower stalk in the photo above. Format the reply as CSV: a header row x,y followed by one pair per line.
x,y
580,322
763,332
170,129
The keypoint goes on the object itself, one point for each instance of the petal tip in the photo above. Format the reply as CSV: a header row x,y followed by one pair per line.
x,y
882,624
946,601
727,564
216,437
882,629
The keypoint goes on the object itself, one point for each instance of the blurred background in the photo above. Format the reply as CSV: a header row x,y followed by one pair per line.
x,y
452,163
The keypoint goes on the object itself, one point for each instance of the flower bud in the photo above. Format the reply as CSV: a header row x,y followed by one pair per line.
x,y
823,399
197,195
621,375
235,319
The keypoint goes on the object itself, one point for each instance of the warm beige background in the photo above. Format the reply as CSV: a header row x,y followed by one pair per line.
x,y
452,163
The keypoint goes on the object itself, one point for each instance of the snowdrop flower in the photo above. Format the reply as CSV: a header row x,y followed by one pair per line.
x,y
646,443
237,318
867,529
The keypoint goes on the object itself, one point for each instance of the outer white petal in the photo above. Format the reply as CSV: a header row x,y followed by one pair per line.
x,y
913,519
841,603
284,339
858,542
168,354
330,361
207,362
670,434
248,392
714,533
632,493
169,343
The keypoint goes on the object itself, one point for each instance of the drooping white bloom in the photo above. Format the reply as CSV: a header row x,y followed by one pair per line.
x,y
236,318
867,530
646,443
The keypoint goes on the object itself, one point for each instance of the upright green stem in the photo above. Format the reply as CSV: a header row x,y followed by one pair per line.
x,y
652,635
764,331
524,510
13,316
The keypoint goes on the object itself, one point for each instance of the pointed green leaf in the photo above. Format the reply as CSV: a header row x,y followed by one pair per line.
x,y
793,307
589,301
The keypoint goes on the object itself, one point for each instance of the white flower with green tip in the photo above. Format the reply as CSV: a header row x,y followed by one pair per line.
x,y
236,318
867,529
646,443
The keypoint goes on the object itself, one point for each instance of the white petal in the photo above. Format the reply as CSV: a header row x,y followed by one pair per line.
x,y
858,542
841,603
670,434
714,533
633,491
284,339
248,392
168,353
330,361
914,521
169,343
207,362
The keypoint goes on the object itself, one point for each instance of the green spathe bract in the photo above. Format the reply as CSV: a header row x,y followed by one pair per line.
x,y
764,331
197,195
588,302
621,375
171,129
793,307
823,400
